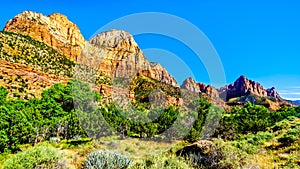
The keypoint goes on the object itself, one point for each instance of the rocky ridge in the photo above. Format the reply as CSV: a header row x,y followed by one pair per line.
x,y
243,86
29,37
242,90
191,85
119,56
114,53
54,30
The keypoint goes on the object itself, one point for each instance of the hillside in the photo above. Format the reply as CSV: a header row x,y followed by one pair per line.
x,y
67,102
54,30
54,45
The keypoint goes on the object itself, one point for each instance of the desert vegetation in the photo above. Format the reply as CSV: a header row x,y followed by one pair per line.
x,y
46,132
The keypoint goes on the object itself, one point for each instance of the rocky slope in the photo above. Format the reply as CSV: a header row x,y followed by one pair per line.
x,y
119,56
53,45
54,30
241,91
24,82
27,67
156,71
190,85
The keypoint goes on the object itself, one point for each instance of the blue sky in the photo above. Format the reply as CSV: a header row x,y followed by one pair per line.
x,y
259,39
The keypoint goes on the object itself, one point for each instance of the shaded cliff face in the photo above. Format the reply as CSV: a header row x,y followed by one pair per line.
x,y
190,85
241,91
54,30
273,93
243,86
119,56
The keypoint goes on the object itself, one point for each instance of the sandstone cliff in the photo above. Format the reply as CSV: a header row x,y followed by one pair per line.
x,y
120,57
55,30
156,71
115,51
190,85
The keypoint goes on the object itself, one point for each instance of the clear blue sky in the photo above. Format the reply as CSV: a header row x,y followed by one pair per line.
x,y
259,39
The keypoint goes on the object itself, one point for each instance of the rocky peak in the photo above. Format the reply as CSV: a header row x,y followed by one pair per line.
x,y
121,57
191,85
55,30
243,86
115,39
273,93
158,72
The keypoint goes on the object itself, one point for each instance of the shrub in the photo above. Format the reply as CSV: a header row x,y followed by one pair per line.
x,y
221,155
290,136
106,160
251,143
244,145
161,161
40,157
260,138
280,125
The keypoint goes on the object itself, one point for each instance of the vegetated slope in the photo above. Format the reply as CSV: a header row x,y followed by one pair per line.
x,y
16,48
55,30
250,136
148,90
29,66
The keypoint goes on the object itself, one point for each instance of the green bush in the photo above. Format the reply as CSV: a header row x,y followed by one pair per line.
x,y
260,138
40,157
244,145
290,136
161,162
252,119
221,155
106,160
251,143
280,125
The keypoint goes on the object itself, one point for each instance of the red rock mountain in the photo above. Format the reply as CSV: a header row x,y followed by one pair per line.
x,y
190,85
114,53
55,30
241,87
118,53
120,56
